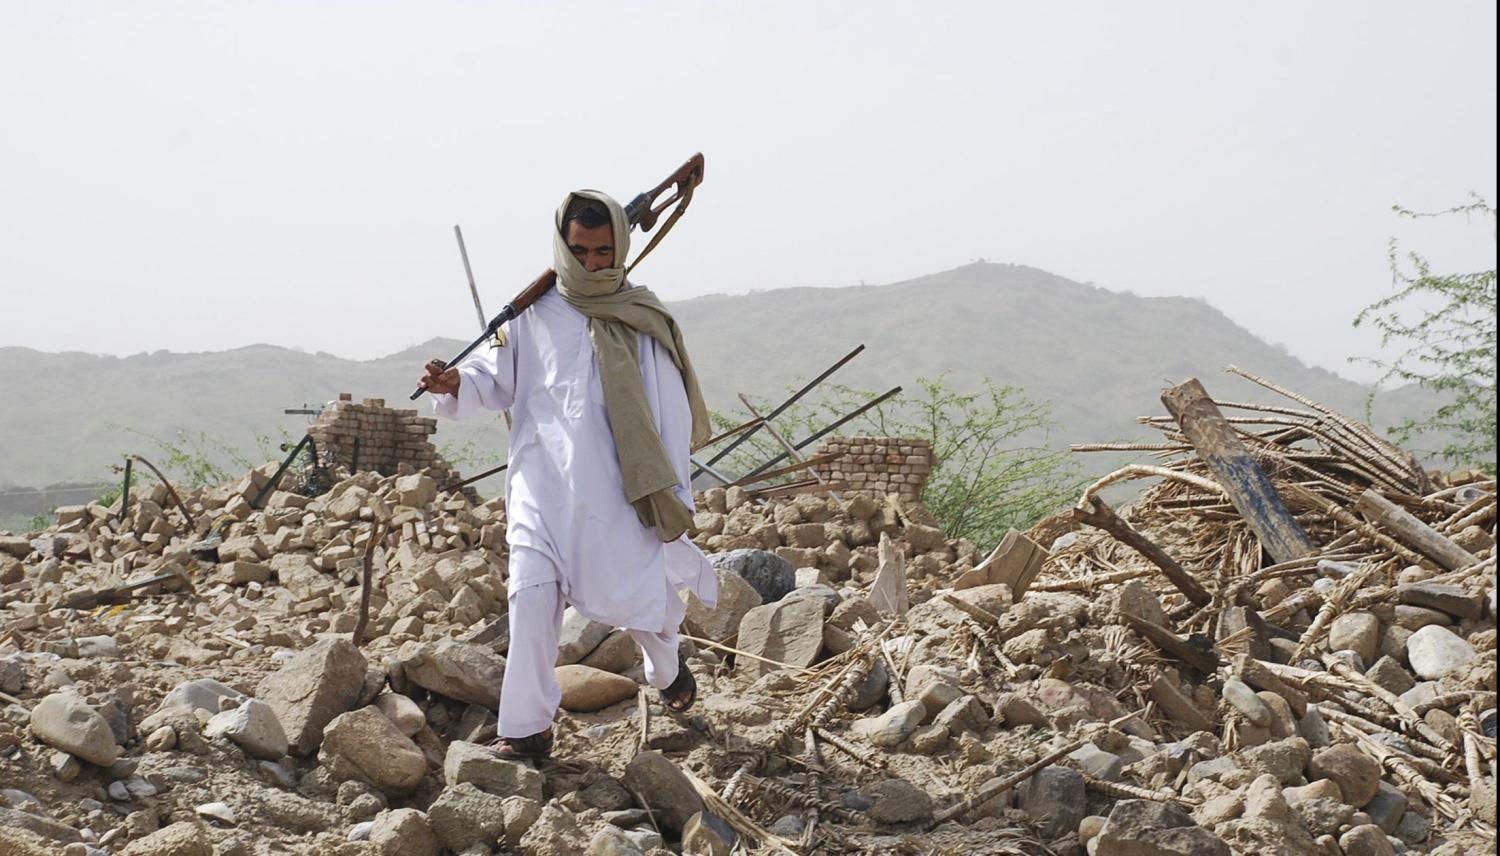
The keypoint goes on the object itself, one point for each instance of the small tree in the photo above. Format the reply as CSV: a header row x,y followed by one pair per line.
x,y
988,477
1446,324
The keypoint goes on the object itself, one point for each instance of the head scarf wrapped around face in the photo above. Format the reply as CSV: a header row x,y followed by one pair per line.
x,y
617,311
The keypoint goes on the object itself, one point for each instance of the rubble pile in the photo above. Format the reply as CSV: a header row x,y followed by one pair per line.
x,y
205,677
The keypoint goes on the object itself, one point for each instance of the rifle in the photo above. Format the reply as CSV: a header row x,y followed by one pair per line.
x,y
642,211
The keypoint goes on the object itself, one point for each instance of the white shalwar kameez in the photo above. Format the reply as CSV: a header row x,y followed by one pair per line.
x,y
573,535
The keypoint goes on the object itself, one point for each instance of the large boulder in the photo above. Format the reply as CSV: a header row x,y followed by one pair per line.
x,y
315,686
366,746
253,727
770,575
462,671
484,768
201,694
736,597
789,632
667,789
65,721
463,816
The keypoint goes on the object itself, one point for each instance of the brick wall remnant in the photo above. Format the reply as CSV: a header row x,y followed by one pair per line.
x,y
387,438
880,465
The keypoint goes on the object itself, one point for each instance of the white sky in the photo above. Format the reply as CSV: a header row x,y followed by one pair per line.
x,y
201,176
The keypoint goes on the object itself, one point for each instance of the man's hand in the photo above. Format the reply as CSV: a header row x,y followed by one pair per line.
x,y
438,381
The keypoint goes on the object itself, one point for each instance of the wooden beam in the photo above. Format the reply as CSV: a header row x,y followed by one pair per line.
x,y
1205,661
1101,516
1414,532
1249,488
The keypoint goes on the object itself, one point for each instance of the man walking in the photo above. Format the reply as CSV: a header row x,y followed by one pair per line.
x,y
605,407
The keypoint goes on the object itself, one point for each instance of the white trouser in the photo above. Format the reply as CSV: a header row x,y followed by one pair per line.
x,y
529,694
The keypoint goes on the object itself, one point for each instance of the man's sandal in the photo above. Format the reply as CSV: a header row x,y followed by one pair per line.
x,y
684,682
537,747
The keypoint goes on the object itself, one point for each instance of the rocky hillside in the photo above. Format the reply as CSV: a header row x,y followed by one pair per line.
x,y
1094,354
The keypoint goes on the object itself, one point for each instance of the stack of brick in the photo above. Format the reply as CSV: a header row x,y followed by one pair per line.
x,y
387,438
880,465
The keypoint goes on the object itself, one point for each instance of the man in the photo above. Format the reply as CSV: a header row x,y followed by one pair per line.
x,y
605,406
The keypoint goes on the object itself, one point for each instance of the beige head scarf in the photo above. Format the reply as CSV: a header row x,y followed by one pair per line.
x,y
616,312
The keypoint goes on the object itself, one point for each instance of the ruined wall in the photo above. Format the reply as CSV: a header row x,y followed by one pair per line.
x,y
387,437
880,465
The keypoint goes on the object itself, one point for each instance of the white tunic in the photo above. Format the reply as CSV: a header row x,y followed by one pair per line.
x,y
565,497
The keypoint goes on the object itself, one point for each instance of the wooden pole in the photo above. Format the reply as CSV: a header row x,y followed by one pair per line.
x,y
1246,483
1101,516
798,459
1412,531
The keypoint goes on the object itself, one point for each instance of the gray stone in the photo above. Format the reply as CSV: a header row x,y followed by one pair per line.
x,y
617,653
253,727
463,815
871,690
898,801
788,632
770,575
65,721
613,841
1358,632
45,827
485,769
963,714
463,671
1436,652
1323,815
1366,840
1147,828
1244,699
706,834
519,815
889,729
1445,598
1313,728
578,637
1413,828
364,745
201,694
668,791
1356,774
1097,763
1016,710
1055,800
554,833
736,597
1386,808
1389,674
1284,759
402,712
316,685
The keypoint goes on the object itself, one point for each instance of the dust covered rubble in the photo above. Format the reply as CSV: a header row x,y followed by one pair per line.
x,y
227,710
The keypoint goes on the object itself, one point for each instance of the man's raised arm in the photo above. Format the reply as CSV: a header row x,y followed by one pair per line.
x,y
487,379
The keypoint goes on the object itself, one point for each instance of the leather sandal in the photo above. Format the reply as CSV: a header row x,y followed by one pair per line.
x,y
537,747
684,682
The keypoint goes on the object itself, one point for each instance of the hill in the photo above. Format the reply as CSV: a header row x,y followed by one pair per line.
x,y
1099,356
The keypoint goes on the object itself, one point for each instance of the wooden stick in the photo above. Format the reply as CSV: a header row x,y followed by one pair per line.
x,y
994,789
737,652
791,452
1100,516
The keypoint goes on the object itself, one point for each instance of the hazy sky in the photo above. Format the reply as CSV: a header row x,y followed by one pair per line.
x,y
201,176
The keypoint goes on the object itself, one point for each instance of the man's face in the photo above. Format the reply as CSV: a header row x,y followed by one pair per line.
x,y
594,248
